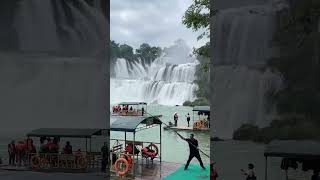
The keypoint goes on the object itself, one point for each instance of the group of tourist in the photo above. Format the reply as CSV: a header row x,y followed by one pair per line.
x,y
126,108
119,108
176,118
20,152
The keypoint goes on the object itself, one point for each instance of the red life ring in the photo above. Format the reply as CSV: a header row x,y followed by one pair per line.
x,y
44,162
196,125
35,162
129,149
129,159
119,163
151,154
82,162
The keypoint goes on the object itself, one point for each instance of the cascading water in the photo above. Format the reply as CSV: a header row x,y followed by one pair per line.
x,y
39,85
241,80
159,82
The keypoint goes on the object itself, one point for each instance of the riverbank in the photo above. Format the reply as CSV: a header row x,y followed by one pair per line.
x,y
286,129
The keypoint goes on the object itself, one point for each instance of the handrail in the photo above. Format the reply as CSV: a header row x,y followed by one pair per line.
x,y
136,141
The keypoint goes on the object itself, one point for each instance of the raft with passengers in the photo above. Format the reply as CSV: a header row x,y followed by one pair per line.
x,y
130,109
200,120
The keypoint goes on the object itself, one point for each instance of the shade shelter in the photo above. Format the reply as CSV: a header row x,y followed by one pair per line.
x,y
86,133
132,103
300,150
205,109
78,161
201,109
134,124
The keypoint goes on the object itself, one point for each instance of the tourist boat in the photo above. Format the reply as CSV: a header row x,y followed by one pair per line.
x,y
130,109
202,123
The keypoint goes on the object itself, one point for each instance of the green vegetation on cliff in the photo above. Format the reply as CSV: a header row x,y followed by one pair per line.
x,y
145,52
197,17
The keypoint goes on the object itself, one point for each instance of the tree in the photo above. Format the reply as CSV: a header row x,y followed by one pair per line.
x,y
147,53
114,48
126,52
197,17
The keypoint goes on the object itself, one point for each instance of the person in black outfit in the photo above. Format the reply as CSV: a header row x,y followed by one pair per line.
x,y
194,151
67,148
188,119
12,153
315,175
105,155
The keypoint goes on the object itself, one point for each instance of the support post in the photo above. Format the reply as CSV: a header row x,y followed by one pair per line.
x,y
192,118
134,139
266,169
160,148
86,145
90,144
160,143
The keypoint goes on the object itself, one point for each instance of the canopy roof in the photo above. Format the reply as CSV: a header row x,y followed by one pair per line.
x,y
132,103
66,132
293,149
130,123
201,108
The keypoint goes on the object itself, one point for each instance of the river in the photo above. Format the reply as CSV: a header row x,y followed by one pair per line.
x,y
174,149
231,156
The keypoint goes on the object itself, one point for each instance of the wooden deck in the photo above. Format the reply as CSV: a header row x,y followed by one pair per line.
x,y
185,128
150,171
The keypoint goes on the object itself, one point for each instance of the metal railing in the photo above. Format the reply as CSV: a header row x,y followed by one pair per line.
x,y
83,161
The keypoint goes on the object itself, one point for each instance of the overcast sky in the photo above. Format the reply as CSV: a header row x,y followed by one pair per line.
x,y
156,22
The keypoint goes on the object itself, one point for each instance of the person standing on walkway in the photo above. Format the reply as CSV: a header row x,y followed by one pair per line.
x,y
12,153
175,118
188,119
194,151
105,154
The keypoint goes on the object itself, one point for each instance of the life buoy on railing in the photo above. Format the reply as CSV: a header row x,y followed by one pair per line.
x,y
203,123
35,162
121,166
82,162
196,125
44,163
129,159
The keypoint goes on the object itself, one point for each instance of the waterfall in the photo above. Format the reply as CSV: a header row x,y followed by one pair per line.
x,y
160,82
241,80
55,26
50,73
